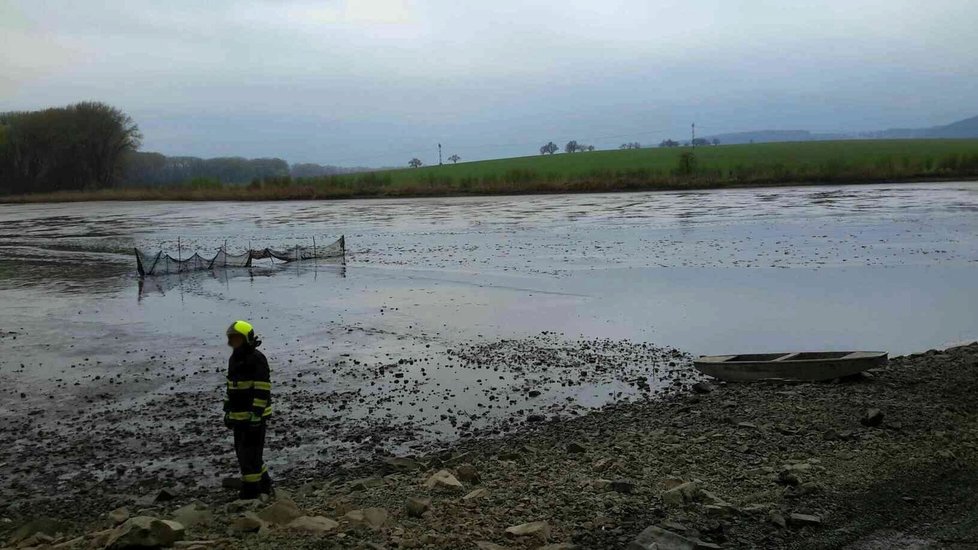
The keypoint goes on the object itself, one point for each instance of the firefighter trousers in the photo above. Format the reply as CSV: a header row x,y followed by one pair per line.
x,y
249,446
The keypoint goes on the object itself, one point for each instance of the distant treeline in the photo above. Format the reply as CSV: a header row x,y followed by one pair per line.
x,y
82,146
154,170
90,146
807,163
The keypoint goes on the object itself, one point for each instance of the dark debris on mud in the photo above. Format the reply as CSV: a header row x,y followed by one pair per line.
x,y
156,422
743,466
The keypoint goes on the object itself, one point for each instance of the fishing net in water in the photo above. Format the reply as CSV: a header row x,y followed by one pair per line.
x,y
161,263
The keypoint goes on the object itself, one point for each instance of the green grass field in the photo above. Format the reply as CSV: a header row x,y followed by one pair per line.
x,y
863,161
801,162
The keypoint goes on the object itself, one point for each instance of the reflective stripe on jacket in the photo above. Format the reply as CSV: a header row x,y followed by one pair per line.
x,y
249,388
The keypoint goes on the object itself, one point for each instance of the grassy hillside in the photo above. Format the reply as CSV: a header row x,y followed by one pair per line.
x,y
659,168
829,158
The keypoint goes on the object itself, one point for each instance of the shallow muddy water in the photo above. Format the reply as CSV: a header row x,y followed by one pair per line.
x,y
448,312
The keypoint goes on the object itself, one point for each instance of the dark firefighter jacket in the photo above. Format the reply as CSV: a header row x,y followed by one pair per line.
x,y
249,396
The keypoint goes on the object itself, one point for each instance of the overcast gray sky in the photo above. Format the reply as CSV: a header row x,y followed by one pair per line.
x,y
375,82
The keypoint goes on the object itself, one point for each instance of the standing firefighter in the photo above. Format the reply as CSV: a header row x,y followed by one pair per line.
x,y
247,407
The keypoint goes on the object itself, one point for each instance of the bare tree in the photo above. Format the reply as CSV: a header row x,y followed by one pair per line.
x,y
415,163
716,142
571,147
454,159
549,149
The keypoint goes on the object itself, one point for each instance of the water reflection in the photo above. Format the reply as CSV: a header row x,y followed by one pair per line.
x,y
183,282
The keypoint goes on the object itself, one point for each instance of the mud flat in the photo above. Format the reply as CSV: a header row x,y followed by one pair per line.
x,y
887,460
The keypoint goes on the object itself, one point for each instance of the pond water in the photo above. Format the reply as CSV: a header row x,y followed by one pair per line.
x,y
874,267
884,267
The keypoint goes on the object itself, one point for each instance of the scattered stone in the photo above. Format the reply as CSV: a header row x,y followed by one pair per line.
x,y
533,393
374,518
282,494
804,520
401,464
145,532
755,509
709,498
715,511
192,514
681,495
510,456
777,518
477,493
119,515
467,473
536,418
538,529
787,477
600,484
318,525
486,545
165,495
558,546
455,459
37,539
366,483
624,486
100,538
671,483
45,526
416,507
575,448
703,386
657,538
282,512
248,523
443,480
807,488
872,418
77,542
673,526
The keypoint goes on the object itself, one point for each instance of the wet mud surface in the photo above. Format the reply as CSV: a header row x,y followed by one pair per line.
x,y
451,319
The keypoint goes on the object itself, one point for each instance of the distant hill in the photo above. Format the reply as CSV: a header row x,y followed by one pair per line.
x,y
967,128
769,136
962,129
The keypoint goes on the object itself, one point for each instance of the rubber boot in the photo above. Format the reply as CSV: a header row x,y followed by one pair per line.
x,y
265,485
249,491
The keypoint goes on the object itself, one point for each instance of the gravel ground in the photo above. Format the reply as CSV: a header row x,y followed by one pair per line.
x,y
886,460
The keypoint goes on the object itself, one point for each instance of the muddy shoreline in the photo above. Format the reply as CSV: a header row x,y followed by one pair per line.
x,y
757,456
305,193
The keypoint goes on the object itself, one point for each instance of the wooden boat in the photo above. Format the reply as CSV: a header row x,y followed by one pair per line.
x,y
823,365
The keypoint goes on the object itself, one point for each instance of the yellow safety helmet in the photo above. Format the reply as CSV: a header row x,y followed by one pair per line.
x,y
243,328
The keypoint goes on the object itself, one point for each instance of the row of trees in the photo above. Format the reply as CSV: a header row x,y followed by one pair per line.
x,y
154,169
416,162
75,147
698,142
572,147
